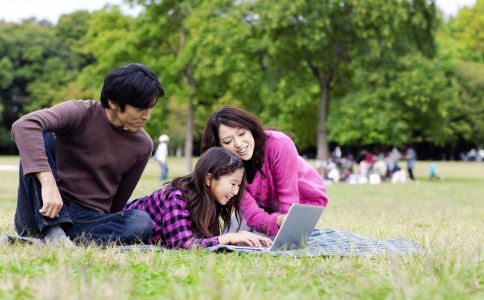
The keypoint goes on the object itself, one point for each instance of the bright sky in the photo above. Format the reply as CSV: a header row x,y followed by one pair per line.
x,y
451,7
17,10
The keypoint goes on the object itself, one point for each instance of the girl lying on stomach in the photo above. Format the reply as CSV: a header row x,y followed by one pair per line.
x,y
191,211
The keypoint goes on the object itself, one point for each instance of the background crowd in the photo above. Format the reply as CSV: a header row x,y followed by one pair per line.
x,y
385,165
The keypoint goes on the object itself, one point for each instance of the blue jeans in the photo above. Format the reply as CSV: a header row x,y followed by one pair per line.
x,y
163,171
82,224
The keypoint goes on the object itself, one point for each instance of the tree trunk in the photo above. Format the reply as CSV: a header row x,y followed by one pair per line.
x,y
187,73
189,134
452,151
324,89
192,87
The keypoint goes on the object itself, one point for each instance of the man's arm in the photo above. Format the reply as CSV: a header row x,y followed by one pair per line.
x,y
129,182
27,133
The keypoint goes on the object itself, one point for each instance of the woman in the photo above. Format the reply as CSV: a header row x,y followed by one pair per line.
x,y
277,176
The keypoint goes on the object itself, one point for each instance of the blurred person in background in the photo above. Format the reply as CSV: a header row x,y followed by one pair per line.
x,y
161,156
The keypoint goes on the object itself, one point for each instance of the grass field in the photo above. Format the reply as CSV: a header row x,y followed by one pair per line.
x,y
446,217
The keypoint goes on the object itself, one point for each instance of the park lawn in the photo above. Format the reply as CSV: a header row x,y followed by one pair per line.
x,y
446,217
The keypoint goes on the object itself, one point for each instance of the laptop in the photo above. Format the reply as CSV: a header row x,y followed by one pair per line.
x,y
294,232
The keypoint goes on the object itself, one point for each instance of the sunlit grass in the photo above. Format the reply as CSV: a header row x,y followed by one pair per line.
x,y
445,216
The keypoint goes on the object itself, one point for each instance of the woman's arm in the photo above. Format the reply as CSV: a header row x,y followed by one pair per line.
x,y
257,217
283,164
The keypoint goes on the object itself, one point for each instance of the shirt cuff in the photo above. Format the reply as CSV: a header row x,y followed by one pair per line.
x,y
200,243
272,227
211,242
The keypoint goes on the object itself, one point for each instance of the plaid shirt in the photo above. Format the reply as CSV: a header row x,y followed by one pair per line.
x,y
172,225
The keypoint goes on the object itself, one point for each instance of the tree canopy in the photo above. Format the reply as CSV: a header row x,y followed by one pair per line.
x,y
347,72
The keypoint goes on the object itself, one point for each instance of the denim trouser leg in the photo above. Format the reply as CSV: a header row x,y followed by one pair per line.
x,y
28,220
124,227
163,170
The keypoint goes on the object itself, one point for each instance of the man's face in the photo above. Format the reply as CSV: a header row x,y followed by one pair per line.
x,y
132,118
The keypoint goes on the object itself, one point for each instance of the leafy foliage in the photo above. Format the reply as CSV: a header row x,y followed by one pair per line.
x,y
410,102
349,72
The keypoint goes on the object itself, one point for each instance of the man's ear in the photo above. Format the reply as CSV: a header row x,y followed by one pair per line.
x,y
208,179
113,105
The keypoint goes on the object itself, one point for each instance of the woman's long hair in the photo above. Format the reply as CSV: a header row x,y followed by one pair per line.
x,y
205,211
237,118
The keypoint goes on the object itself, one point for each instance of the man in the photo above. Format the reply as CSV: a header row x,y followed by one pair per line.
x,y
81,160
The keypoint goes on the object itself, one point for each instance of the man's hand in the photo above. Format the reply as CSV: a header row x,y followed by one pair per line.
x,y
51,198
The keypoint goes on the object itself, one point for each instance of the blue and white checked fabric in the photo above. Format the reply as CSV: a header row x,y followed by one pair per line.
x,y
327,242
330,242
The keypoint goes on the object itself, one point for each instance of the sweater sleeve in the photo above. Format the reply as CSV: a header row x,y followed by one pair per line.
x,y
257,217
27,132
283,164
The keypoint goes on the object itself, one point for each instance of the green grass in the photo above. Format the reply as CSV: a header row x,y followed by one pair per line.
x,y
446,217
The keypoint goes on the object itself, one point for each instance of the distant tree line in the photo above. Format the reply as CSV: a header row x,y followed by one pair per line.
x,y
345,72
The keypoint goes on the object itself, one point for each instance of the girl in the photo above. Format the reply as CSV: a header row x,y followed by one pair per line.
x,y
186,213
277,176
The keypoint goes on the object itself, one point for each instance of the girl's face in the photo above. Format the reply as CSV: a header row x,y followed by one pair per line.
x,y
239,141
226,187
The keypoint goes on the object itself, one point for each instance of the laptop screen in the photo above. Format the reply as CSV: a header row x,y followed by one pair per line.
x,y
297,227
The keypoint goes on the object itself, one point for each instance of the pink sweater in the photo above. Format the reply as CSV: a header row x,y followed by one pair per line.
x,y
288,179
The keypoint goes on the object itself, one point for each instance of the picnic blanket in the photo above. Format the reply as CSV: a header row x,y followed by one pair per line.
x,y
322,242
331,242
325,242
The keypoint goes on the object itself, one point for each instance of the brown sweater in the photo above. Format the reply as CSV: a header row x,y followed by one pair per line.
x,y
98,165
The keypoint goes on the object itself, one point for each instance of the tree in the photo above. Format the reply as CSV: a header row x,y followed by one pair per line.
x,y
169,33
411,101
164,33
317,45
467,34
461,43
109,41
34,65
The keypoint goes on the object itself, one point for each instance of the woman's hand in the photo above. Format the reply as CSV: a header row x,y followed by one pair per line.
x,y
280,220
244,238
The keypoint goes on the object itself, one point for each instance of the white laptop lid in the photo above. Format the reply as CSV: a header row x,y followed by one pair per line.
x,y
297,227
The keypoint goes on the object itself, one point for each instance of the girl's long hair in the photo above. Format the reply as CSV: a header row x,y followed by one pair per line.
x,y
237,118
205,211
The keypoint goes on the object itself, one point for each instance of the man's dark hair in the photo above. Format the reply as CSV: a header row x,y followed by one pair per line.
x,y
133,84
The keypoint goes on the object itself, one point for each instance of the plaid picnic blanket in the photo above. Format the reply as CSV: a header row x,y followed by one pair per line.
x,y
322,242
330,242
326,242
